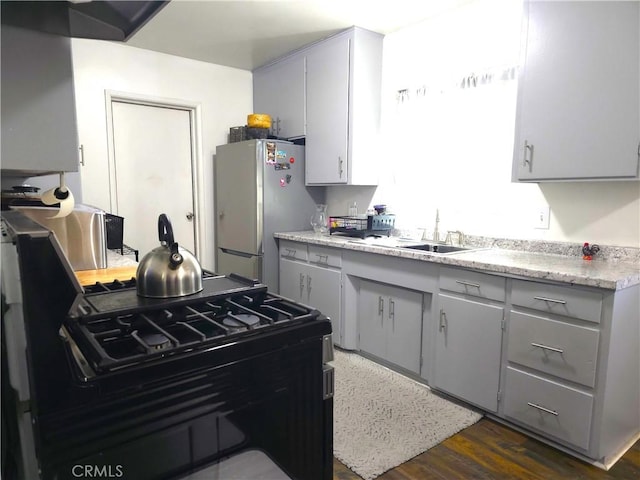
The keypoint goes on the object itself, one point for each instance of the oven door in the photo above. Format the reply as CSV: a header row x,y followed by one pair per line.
x,y
270,402
248,464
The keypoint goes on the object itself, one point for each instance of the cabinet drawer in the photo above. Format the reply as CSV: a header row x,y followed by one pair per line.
x,y
549,407
560,349
472,283
293,250
568,301
325,256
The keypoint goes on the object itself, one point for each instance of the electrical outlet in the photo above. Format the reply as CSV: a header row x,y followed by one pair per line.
x,y
542,218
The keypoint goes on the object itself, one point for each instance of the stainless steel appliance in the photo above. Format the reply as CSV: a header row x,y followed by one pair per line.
x,y
130,387
82,234
259,190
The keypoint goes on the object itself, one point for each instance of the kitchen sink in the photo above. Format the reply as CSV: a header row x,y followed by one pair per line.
x,y
437,248
395,242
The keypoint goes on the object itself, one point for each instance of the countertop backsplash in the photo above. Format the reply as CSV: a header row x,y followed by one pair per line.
x,y
607,252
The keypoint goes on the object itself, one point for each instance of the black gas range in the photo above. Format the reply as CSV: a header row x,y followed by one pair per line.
x,y
158,388
116,329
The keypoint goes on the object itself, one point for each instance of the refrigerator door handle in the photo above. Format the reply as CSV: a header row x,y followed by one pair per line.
x,y
236,252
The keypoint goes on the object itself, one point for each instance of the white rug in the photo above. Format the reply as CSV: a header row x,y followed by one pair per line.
x,y
383,419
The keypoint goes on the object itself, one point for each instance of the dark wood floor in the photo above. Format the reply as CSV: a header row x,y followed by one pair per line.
x,y
489,450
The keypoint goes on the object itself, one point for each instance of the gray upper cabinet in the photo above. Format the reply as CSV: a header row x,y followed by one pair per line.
x,y
328,92
39,131
344,75
278,90
328,112
578,112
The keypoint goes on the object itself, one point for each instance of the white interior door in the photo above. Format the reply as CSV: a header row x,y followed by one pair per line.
x,y
153,173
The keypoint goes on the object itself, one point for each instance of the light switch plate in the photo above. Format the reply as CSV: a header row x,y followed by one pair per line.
x,y
541,220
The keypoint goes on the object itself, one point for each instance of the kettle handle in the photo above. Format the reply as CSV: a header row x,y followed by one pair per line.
x,y
165,230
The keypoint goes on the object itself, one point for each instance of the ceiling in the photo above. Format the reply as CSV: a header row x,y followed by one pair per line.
x,y
249,33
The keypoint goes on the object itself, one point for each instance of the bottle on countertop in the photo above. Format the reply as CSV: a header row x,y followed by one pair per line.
x,y
353,209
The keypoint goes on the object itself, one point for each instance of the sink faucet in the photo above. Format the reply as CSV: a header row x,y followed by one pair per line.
x,y
436,233
449,239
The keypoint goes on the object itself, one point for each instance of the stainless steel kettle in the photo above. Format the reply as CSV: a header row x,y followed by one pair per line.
x,y
168,270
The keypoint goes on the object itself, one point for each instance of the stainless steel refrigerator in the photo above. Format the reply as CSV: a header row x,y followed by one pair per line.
x,y
259,190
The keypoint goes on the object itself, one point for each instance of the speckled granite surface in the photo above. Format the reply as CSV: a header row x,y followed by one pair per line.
x,y
556,261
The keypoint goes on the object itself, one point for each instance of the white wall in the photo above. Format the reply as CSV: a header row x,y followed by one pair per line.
x,y
225,95
470,183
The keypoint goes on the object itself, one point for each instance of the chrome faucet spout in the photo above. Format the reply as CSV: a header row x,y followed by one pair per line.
x,y
436,232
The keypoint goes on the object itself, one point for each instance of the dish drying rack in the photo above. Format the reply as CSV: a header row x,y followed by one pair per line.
x,y
362,226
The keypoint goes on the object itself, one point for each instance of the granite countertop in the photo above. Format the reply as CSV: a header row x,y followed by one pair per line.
x,y
611,274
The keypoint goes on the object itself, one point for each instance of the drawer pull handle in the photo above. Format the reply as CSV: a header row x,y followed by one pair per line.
x,y
468,284
545,347
321,257
545,410
550,300
290,252
443,321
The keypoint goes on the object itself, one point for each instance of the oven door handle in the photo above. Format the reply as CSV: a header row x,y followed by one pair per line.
x,y
80,361
328,381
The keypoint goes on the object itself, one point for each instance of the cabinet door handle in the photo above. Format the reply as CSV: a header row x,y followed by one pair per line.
x,y
545,347
392,313
340,169
468,284
321,257
301,284
81,148
443,320
550,300
545,410
528,159
309,286
381,309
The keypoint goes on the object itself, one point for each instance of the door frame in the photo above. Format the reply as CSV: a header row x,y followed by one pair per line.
x,y
197,168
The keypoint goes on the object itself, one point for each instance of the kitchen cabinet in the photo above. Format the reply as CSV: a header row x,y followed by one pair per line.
x,y
278,90
39,131
468,350
578,107
569,355
390,323
468,338
343,85
311,275
553,360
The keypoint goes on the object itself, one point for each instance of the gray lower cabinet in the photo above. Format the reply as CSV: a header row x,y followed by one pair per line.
x,y
315,283
468,349
573,366
550,407
390,323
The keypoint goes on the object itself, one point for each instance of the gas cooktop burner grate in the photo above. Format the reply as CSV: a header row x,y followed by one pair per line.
x,y
123,339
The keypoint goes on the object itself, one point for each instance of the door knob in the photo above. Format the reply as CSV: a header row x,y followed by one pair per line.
x,y
190,216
